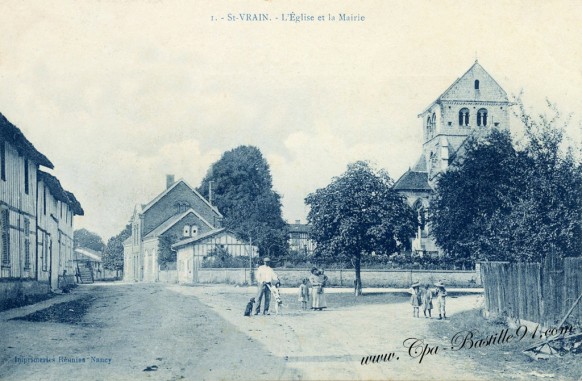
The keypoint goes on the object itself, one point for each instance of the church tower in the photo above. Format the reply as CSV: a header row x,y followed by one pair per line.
x,y
472,105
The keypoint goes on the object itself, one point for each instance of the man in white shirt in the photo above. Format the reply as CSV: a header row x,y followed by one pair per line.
x,y
265,276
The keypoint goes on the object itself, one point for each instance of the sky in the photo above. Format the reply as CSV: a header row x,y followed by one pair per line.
x,y
118,94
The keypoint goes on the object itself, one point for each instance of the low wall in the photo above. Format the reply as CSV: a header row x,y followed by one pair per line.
x,y
345,278
168,276
15,293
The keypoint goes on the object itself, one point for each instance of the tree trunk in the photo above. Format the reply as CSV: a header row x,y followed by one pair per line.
x,y
358,281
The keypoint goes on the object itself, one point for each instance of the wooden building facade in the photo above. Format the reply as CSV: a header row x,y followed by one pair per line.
x,y
36,214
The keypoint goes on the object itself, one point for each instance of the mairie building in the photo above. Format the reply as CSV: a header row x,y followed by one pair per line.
x,y
474,104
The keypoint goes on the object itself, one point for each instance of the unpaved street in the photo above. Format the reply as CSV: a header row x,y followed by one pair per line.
x,y
136,326
161,332
329,345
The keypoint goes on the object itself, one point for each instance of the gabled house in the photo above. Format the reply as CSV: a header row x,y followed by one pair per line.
x,y
474,104
177,213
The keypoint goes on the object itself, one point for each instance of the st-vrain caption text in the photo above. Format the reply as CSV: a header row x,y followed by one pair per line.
x,y
419,349
291,17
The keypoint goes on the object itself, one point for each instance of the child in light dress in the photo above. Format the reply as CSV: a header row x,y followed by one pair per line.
x,y
304,294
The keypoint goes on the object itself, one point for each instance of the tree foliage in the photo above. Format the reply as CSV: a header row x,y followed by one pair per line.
x,y
359,214
90,240
165,253
113,254
242,190
511,201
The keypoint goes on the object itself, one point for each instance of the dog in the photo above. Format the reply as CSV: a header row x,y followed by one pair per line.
x,y
276,296
249,308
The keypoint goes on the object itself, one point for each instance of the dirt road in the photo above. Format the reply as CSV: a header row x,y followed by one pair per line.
x,y
122,330
329,345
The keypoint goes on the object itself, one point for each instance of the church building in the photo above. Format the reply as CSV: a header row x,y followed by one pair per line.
x,y
473,104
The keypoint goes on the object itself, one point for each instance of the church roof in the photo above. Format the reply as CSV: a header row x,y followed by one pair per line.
x,y
413,181
173,221
463,88
420,165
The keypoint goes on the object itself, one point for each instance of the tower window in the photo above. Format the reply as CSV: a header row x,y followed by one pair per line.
x,y
482,117
476,84
464,117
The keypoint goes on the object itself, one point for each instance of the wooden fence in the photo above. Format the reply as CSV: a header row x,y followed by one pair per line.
x,y
541,293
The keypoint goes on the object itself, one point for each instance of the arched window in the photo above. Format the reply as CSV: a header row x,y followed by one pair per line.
x,y
482,117
186,232
194,230
428,129
476,84
464,117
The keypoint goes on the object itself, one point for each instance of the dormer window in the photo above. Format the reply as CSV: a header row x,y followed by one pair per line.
x,y
194,231
186,232
482,117
476,84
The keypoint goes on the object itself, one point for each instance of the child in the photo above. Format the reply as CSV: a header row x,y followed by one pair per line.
x,y
441,293
304,294
415,299
427,301
249,308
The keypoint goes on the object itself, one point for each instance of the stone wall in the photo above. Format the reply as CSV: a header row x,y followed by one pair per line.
x,y
345,278
15,293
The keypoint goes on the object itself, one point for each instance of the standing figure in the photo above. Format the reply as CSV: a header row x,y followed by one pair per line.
x,y
265,277
304,294
427,301
318,281
415,299
441,293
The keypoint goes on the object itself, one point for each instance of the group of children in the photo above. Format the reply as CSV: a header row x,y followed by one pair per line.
x,y
424,298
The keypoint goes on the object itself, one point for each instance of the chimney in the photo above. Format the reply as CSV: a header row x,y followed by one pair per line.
x,y
169,181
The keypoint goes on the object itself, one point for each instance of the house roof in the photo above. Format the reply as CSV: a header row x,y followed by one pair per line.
x,y
88,253
161,229
155,200
14,136
413,181
54,185
201,237
75,204
299,228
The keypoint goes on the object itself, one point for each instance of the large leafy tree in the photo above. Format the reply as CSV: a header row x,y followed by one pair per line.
x,y
473,196
506,201
90,240
113,254
359,214
242,189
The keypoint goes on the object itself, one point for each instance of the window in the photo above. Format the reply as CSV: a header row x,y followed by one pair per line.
x,y
44,252
3,159
186,232
194,230
26,176
482,117
44,201
26,244
476,84
464,117
5,221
